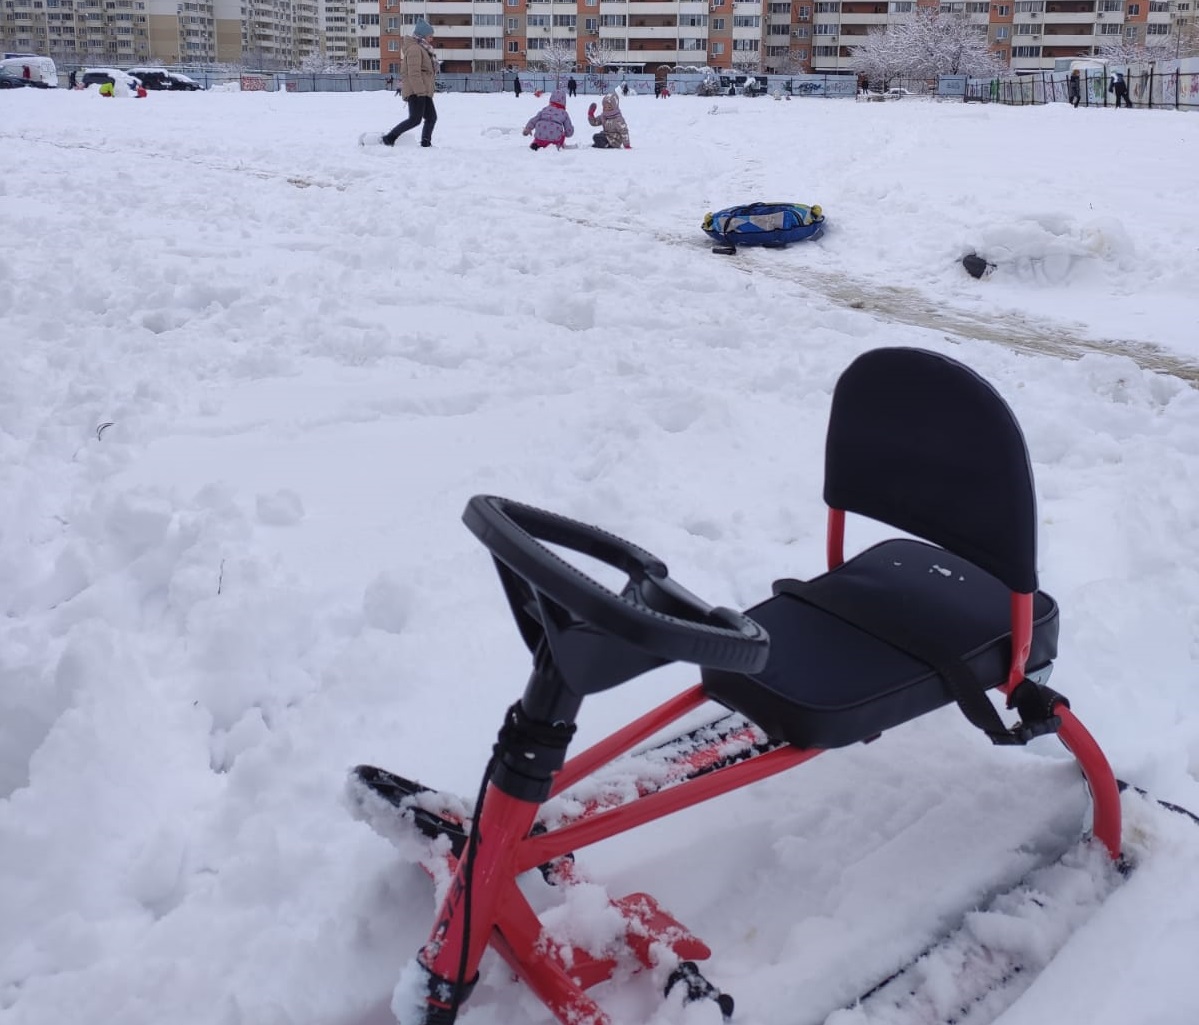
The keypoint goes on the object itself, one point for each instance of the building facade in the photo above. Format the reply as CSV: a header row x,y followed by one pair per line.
x,y
776,36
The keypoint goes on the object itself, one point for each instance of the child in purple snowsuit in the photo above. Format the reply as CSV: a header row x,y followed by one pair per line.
x,y
551,125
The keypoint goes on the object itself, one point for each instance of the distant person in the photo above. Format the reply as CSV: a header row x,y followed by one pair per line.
x,y
550,126
106,89
71,79
26,72
572,86
615,134
516,87
418,83
1120,88
1074,88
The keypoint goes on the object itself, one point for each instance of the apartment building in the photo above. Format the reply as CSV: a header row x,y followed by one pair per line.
x,y
778,36
271,33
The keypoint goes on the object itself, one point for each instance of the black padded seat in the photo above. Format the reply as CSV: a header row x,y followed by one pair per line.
x,y
828,684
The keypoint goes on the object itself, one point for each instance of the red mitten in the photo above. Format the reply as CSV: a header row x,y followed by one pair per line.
x,y
591,111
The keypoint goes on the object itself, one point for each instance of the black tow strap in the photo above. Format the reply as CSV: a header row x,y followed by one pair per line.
x,y
1034,702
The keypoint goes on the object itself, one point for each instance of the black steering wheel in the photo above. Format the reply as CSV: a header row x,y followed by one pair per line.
x,y
652,613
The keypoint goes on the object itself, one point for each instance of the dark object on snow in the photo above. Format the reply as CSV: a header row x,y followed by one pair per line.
x,y
976,266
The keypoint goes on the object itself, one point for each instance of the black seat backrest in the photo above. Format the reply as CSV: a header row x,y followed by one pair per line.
x,y
919,441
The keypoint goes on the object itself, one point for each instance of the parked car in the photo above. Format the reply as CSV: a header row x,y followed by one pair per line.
x,y
112,76
11,81
897,93
33,68
160,78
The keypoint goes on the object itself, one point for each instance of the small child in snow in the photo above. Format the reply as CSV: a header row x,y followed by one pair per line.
x,y
551,125
615,134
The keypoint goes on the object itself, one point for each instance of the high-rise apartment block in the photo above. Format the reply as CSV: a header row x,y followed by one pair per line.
x,y
778,36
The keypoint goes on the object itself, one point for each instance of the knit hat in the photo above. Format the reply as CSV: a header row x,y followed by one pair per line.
x,y
422,29
558,98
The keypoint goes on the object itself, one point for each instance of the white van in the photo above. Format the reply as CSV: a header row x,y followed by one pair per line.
x,y
40,69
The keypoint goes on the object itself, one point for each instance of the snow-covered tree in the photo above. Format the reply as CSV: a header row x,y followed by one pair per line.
x,y
930,44
1125,53
557,59
878,58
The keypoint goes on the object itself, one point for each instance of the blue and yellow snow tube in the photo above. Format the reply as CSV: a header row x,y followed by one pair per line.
x,y
764,224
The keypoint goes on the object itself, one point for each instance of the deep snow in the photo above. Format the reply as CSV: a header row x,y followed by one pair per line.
x,y
309,355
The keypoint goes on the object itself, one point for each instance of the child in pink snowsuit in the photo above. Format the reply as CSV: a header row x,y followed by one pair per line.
x,y
551,125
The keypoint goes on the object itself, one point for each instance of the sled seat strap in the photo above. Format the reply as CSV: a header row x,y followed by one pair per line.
x,y
1034,702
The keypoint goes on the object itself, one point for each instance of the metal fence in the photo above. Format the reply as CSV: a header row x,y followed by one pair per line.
x,y
1173,89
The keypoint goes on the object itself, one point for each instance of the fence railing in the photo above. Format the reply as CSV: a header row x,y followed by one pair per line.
x,y
1147,88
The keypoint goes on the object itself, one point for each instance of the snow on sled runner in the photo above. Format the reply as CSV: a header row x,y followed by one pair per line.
x,y
772,225
916,441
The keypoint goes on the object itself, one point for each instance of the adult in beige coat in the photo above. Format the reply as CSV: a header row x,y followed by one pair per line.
x,y
418,83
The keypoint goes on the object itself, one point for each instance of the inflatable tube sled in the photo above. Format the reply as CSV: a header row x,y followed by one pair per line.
x,y
764,224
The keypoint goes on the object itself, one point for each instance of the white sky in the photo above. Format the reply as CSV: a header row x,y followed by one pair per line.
x,y
312,354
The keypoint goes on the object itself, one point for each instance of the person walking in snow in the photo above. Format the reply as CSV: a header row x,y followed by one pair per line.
x,y
1074,88
615,134
516,87
572,87
1120,88
551,125
418,83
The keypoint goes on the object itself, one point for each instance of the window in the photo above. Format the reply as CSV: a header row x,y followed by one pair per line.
x,y
693,20
1109,30
511,26
538,20
591,25
802,32
805,14
538,43
717,24
1130,32
1030,6
1134,9
745,44
565,20
393,45
1028,30
826,30
779,30
691,44
828,6
1002,10
513,46
487,43
1002,32
747,21
780,8
393,24
1026,51
901,7
825,51
488,19
613,20
717,49
1157,30
978,8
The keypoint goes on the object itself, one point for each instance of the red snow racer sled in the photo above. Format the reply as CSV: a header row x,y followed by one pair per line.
x,y
916,441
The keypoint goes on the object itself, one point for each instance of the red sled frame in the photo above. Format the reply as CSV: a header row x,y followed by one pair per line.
x,y
586,639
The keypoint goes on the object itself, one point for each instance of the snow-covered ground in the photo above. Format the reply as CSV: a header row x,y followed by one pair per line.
x,y
250,373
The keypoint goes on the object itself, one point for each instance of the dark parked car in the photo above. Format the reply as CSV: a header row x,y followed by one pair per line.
x,y
8,81
110,76
160,78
